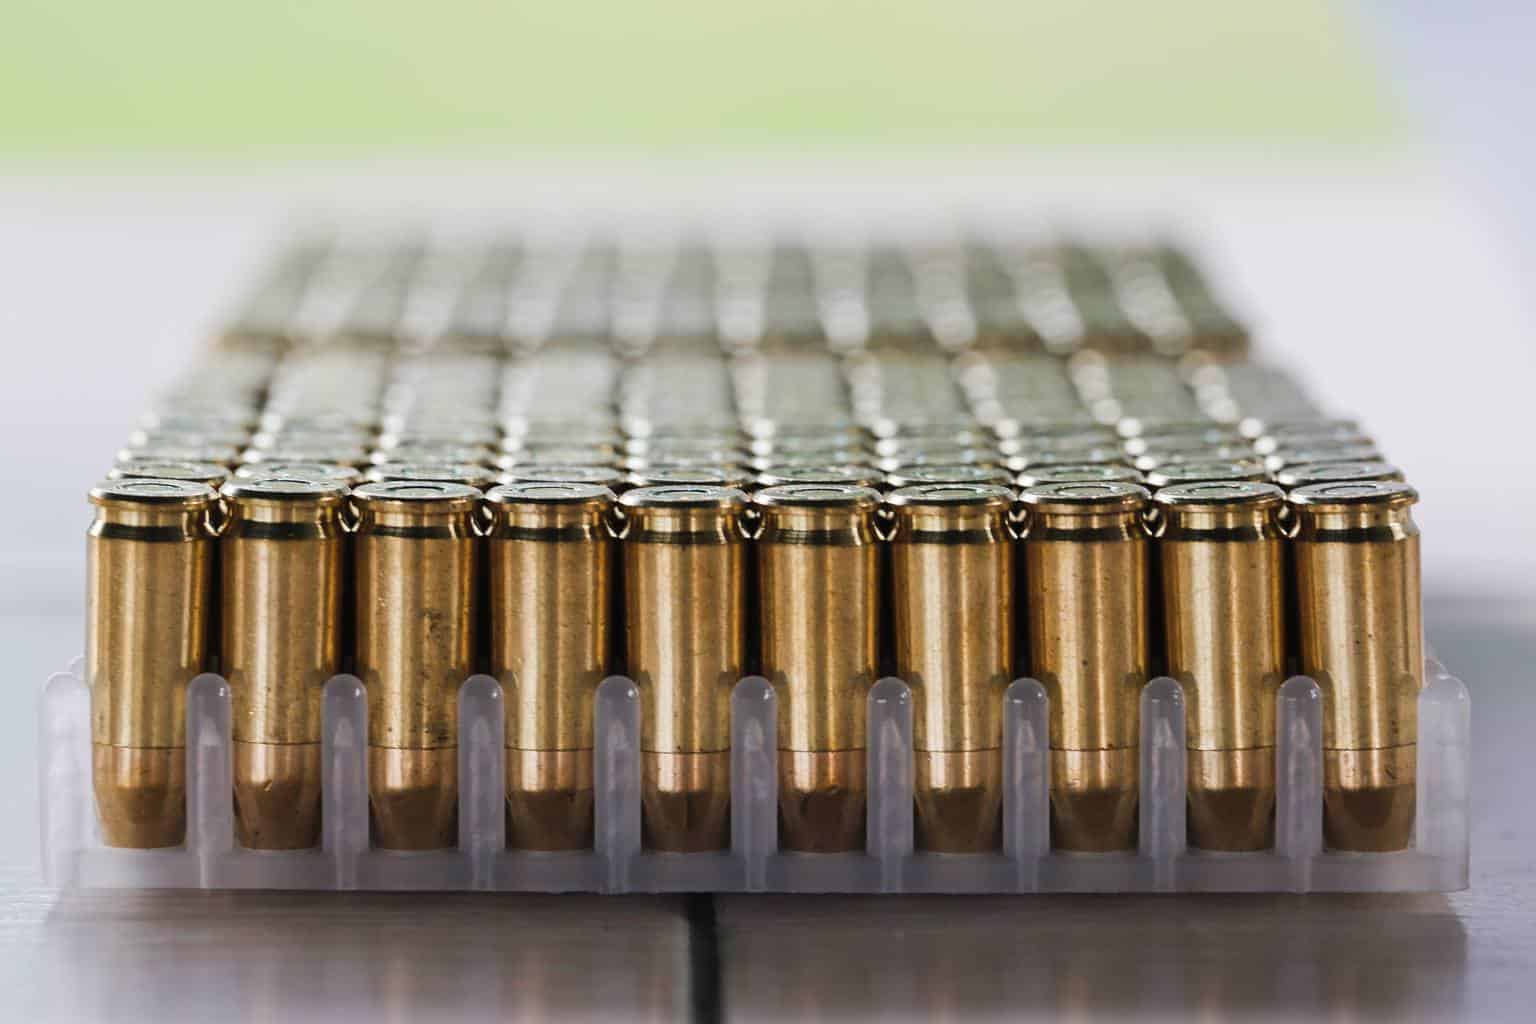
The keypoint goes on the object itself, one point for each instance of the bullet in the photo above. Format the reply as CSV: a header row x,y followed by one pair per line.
x,y
1214,471
819,610
1361,623
210,473
149,571
846,473
415,591
1221,556
1336,473
348,475
551,596
951,585
1086,577
1079,473
948,473
685,638
282,558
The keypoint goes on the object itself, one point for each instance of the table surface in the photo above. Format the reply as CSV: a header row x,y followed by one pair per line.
x,y
1387,288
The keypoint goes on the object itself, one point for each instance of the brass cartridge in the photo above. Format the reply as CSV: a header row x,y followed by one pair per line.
x,y
819,603
951,585
551,603
415,590
282,560
149,571
1086,577
685,596
1362,638
1222,564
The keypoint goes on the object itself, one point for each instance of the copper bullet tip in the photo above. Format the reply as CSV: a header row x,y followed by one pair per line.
x,y
1369,798
277,795
141,795
1232,799
413,797
549,799
959,797
687,801
1093,799
821,800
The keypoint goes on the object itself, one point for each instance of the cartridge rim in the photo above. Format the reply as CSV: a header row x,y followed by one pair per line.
x,y
170,469
1079,473
318,470
1090,497
1305,475
1354,493
604,475
713,476
416,493
817,495
1176,474
452,472
684,496
950,495
152,491
550,492
948,473
1220,494
832,473
284,488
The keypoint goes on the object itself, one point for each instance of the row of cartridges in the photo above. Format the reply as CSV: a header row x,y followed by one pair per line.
x,y
688,513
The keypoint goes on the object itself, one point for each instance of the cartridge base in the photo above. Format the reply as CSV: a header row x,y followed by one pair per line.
x,y
1093,799
277,795
959,797
1232,799
549,799
1369,798
821,800
686,801
413,797
141,795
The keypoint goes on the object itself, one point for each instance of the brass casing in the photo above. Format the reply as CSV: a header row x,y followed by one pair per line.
x,y
149,572
348,475
471,474
1086,577
1215,471
1221,557
685,596
415,591
952,593
1362,638
947,473
283,562
818,568
852,474
551,596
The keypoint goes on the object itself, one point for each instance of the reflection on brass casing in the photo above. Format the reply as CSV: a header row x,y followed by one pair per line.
x,y
149,570
552,592
1361,623
1221,557
685,638
952,590
416,638
1085,565
819,611
1079,473
282,558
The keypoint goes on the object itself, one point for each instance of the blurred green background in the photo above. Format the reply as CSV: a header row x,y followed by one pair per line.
x,y
348,75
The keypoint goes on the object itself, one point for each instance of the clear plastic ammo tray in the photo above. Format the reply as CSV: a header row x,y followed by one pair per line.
x,y
74,856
